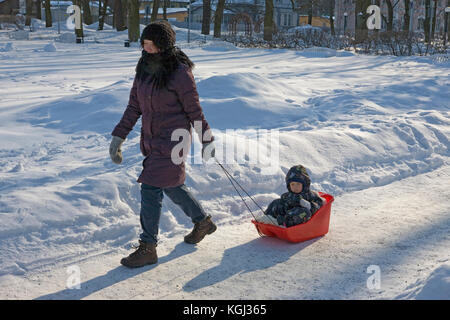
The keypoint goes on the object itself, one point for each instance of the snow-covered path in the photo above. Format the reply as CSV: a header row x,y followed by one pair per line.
x,y
373,132
235,263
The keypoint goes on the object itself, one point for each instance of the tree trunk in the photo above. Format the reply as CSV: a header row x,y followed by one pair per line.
x,y
87,17
133,20
426,22
29,11
433,27
406,17
102,14
118,15
310,12
99,13
331,13
155,9
361,15
79,32
448,23
218,17
268,21
165,10
390,21
206,21
125,13
39,9
113,15
48,14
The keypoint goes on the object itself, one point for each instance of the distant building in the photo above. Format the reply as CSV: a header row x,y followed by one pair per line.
x,y
197,12
172,14
323,22
172,4
284,17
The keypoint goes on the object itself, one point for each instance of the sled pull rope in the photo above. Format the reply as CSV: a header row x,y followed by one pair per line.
x,y
229,176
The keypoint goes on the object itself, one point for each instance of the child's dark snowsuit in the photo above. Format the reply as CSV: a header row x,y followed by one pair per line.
x,y
295,208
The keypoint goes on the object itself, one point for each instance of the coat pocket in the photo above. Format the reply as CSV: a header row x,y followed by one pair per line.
x,y
176,149
144,143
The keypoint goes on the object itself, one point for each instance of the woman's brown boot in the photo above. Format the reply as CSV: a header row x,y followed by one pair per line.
x,y
201,229
144,255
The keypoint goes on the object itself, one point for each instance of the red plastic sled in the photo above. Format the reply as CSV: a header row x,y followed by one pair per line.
x,y
315,227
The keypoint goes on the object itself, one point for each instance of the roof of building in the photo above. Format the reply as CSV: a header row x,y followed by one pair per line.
x,y
169,10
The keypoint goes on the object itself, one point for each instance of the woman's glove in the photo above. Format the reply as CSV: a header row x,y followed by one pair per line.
x,y
208,151
114,149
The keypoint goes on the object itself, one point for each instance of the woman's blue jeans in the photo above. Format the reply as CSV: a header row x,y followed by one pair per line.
x,y
151,204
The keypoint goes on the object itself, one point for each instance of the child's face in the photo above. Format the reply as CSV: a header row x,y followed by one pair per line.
x,y
296,187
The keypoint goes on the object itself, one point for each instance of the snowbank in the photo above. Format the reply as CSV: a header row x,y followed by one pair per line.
x,y
8,47
372,131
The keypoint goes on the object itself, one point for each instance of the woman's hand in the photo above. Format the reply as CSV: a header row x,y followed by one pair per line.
x,y
208,151
114,149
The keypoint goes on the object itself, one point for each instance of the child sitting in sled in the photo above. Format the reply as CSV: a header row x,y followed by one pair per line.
x,y
297,205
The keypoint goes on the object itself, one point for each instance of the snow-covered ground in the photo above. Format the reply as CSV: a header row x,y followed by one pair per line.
x,y
372,130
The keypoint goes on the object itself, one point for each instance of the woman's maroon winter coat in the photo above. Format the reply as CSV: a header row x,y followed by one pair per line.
x,y
163,110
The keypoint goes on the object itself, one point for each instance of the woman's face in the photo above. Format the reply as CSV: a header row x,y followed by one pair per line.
x,y
150,47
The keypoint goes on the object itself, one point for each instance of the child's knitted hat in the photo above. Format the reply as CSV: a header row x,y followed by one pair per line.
x,y
298,173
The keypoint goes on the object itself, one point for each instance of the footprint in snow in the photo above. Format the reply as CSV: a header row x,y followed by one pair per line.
x,y
214,176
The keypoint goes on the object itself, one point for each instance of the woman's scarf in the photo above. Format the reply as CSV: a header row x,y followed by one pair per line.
x,y
160,66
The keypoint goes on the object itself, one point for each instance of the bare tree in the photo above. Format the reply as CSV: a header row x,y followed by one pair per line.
x,y
48,14
155,9
38,9
206,20
87,17
391,4
390,21
165,4
29,11
294,4
133,20
125,12
268,21
310,5
79,32
102,10
448,24
406,17
433,26
331,5
218,18
361,15
426,23
119,16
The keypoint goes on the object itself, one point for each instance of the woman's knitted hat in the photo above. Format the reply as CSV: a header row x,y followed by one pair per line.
x,y
161,33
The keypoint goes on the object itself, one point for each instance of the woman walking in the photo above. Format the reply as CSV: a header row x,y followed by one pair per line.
x,y
164,94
